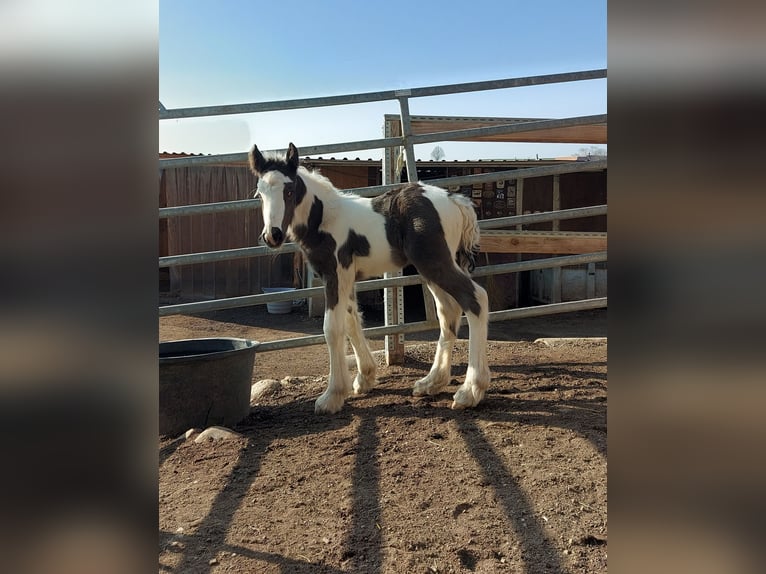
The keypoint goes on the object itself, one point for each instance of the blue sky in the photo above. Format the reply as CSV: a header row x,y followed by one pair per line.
x,y
232,51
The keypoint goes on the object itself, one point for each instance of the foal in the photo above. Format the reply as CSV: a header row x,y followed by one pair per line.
x,y
346,237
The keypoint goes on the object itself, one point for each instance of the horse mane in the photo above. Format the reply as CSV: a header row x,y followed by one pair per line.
x,y
323,188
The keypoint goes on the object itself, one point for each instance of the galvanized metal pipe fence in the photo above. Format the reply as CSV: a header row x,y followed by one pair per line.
x,y
406,142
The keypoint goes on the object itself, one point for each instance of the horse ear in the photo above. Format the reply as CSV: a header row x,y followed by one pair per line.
x,y
256,159
292,157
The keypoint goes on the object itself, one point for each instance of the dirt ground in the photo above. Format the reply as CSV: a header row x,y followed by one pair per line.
x,y
396,483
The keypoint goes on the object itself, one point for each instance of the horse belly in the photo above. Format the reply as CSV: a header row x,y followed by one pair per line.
x,y
375,264
371,226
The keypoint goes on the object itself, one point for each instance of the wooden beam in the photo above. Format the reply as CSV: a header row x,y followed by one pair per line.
x,y
590,133
541,242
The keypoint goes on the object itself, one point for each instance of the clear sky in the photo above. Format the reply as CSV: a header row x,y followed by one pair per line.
x,y
238,51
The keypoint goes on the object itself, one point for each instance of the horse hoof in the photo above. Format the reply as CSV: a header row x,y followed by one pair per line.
x,y
419,389
428,386
327,405
466,397
363,384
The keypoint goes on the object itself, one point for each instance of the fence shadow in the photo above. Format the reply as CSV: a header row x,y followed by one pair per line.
x,y
211,532
296,419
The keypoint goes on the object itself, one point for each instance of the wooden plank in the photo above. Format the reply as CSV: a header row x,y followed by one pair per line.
x,y
541,242
591,133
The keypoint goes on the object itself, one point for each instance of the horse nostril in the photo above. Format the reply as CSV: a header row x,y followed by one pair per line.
x,y
276,234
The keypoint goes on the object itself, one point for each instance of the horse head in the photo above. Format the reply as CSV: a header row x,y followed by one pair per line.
x,y
280,189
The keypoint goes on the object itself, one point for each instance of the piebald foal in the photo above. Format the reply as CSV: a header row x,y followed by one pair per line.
x,y
346,237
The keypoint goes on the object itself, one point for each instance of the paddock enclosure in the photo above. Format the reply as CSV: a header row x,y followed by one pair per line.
x,y
510,236
396,483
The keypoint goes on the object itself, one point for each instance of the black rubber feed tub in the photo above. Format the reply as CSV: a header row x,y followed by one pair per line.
x,y
204,382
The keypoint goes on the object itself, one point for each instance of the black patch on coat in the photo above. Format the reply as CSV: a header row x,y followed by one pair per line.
x,y
355,245
292,195
300,189
415,233
319,248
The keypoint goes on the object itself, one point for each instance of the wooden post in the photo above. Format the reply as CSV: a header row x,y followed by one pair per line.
x,y
519,211
556,271
590,281
556,199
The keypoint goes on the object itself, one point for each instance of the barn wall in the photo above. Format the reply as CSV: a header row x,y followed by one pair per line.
x,y
583,189
346,176
212,232
538,197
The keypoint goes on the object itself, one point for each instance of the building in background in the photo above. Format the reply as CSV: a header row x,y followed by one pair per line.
x,y
229,182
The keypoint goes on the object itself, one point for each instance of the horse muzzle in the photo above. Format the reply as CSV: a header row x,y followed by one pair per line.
x,y
273,238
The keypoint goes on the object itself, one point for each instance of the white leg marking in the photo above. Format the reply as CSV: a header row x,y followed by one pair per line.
x,y
478,375
339,382
449,313
365,362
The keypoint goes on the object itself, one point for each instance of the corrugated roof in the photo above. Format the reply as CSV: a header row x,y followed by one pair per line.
x,y
422,162
172,154
514,161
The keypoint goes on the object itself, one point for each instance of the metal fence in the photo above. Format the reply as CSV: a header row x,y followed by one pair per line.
x,y
393,285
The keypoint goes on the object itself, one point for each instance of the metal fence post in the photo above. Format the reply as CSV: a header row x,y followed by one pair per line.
x,y
393,297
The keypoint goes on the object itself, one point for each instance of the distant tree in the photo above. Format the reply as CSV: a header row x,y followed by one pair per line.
x,y
592,151
437,153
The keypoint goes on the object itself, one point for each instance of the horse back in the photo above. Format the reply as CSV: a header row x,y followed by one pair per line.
x,y
424,220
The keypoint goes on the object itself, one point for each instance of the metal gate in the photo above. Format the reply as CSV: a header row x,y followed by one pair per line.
x,y
398,150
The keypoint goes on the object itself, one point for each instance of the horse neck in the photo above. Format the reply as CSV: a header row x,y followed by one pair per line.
x,y
318,186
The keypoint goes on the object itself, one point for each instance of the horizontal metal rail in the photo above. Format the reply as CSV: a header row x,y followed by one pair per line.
x,y
261,250
225,255
203,208
516,127
523,173
373,284
417,327
530,218
372,191
367,97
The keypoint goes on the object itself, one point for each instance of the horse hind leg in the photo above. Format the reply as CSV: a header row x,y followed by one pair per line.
x,y
478,375
365,362
449,312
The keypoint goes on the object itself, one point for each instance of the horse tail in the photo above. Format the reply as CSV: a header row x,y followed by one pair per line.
x,y
468,249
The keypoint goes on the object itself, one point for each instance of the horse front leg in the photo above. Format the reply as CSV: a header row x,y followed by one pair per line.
x,y
339,381
365,362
